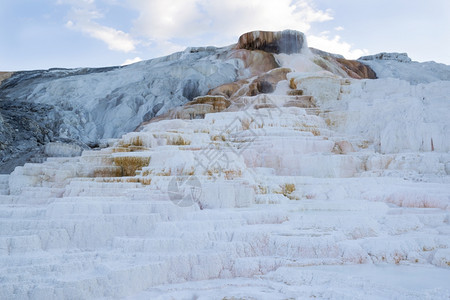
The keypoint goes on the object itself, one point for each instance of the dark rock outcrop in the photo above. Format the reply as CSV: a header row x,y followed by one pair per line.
x,y
25,127
287,41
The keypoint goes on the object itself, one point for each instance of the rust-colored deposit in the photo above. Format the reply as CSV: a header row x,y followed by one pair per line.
x,y
218,103
255,62
263,84
355,69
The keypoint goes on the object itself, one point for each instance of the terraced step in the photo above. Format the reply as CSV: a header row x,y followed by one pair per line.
x,y
87,275
31,194
8,199
313,111
4,184
19,244
4,178
320,165
22,212
63,282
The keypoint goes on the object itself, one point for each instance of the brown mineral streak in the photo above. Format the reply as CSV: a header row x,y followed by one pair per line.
x,y
4,76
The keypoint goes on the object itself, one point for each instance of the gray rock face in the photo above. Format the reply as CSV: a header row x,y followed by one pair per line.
x,y
88,105
24,126
287,41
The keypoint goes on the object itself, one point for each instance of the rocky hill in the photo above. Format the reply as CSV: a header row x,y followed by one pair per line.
x,y
265,170
86,107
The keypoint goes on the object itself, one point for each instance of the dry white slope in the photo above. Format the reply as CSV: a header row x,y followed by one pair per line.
x,y
346,200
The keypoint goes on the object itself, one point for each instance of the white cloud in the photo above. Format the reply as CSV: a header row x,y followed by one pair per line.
x,y
220,22
82,18
335,45
170,26
77,3
131,61
115,39
162,20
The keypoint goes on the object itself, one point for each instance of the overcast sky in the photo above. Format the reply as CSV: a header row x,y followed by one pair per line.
x,y
40,34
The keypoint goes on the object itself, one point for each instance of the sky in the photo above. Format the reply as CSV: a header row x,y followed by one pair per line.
x,y
41,34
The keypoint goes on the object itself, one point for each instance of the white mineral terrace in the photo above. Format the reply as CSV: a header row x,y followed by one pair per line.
x,y
349,199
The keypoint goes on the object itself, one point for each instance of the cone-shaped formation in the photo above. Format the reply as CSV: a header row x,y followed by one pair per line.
x,y
287,41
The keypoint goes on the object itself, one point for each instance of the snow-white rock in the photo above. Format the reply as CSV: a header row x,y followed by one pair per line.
x,y
399,65
400,57
62,149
